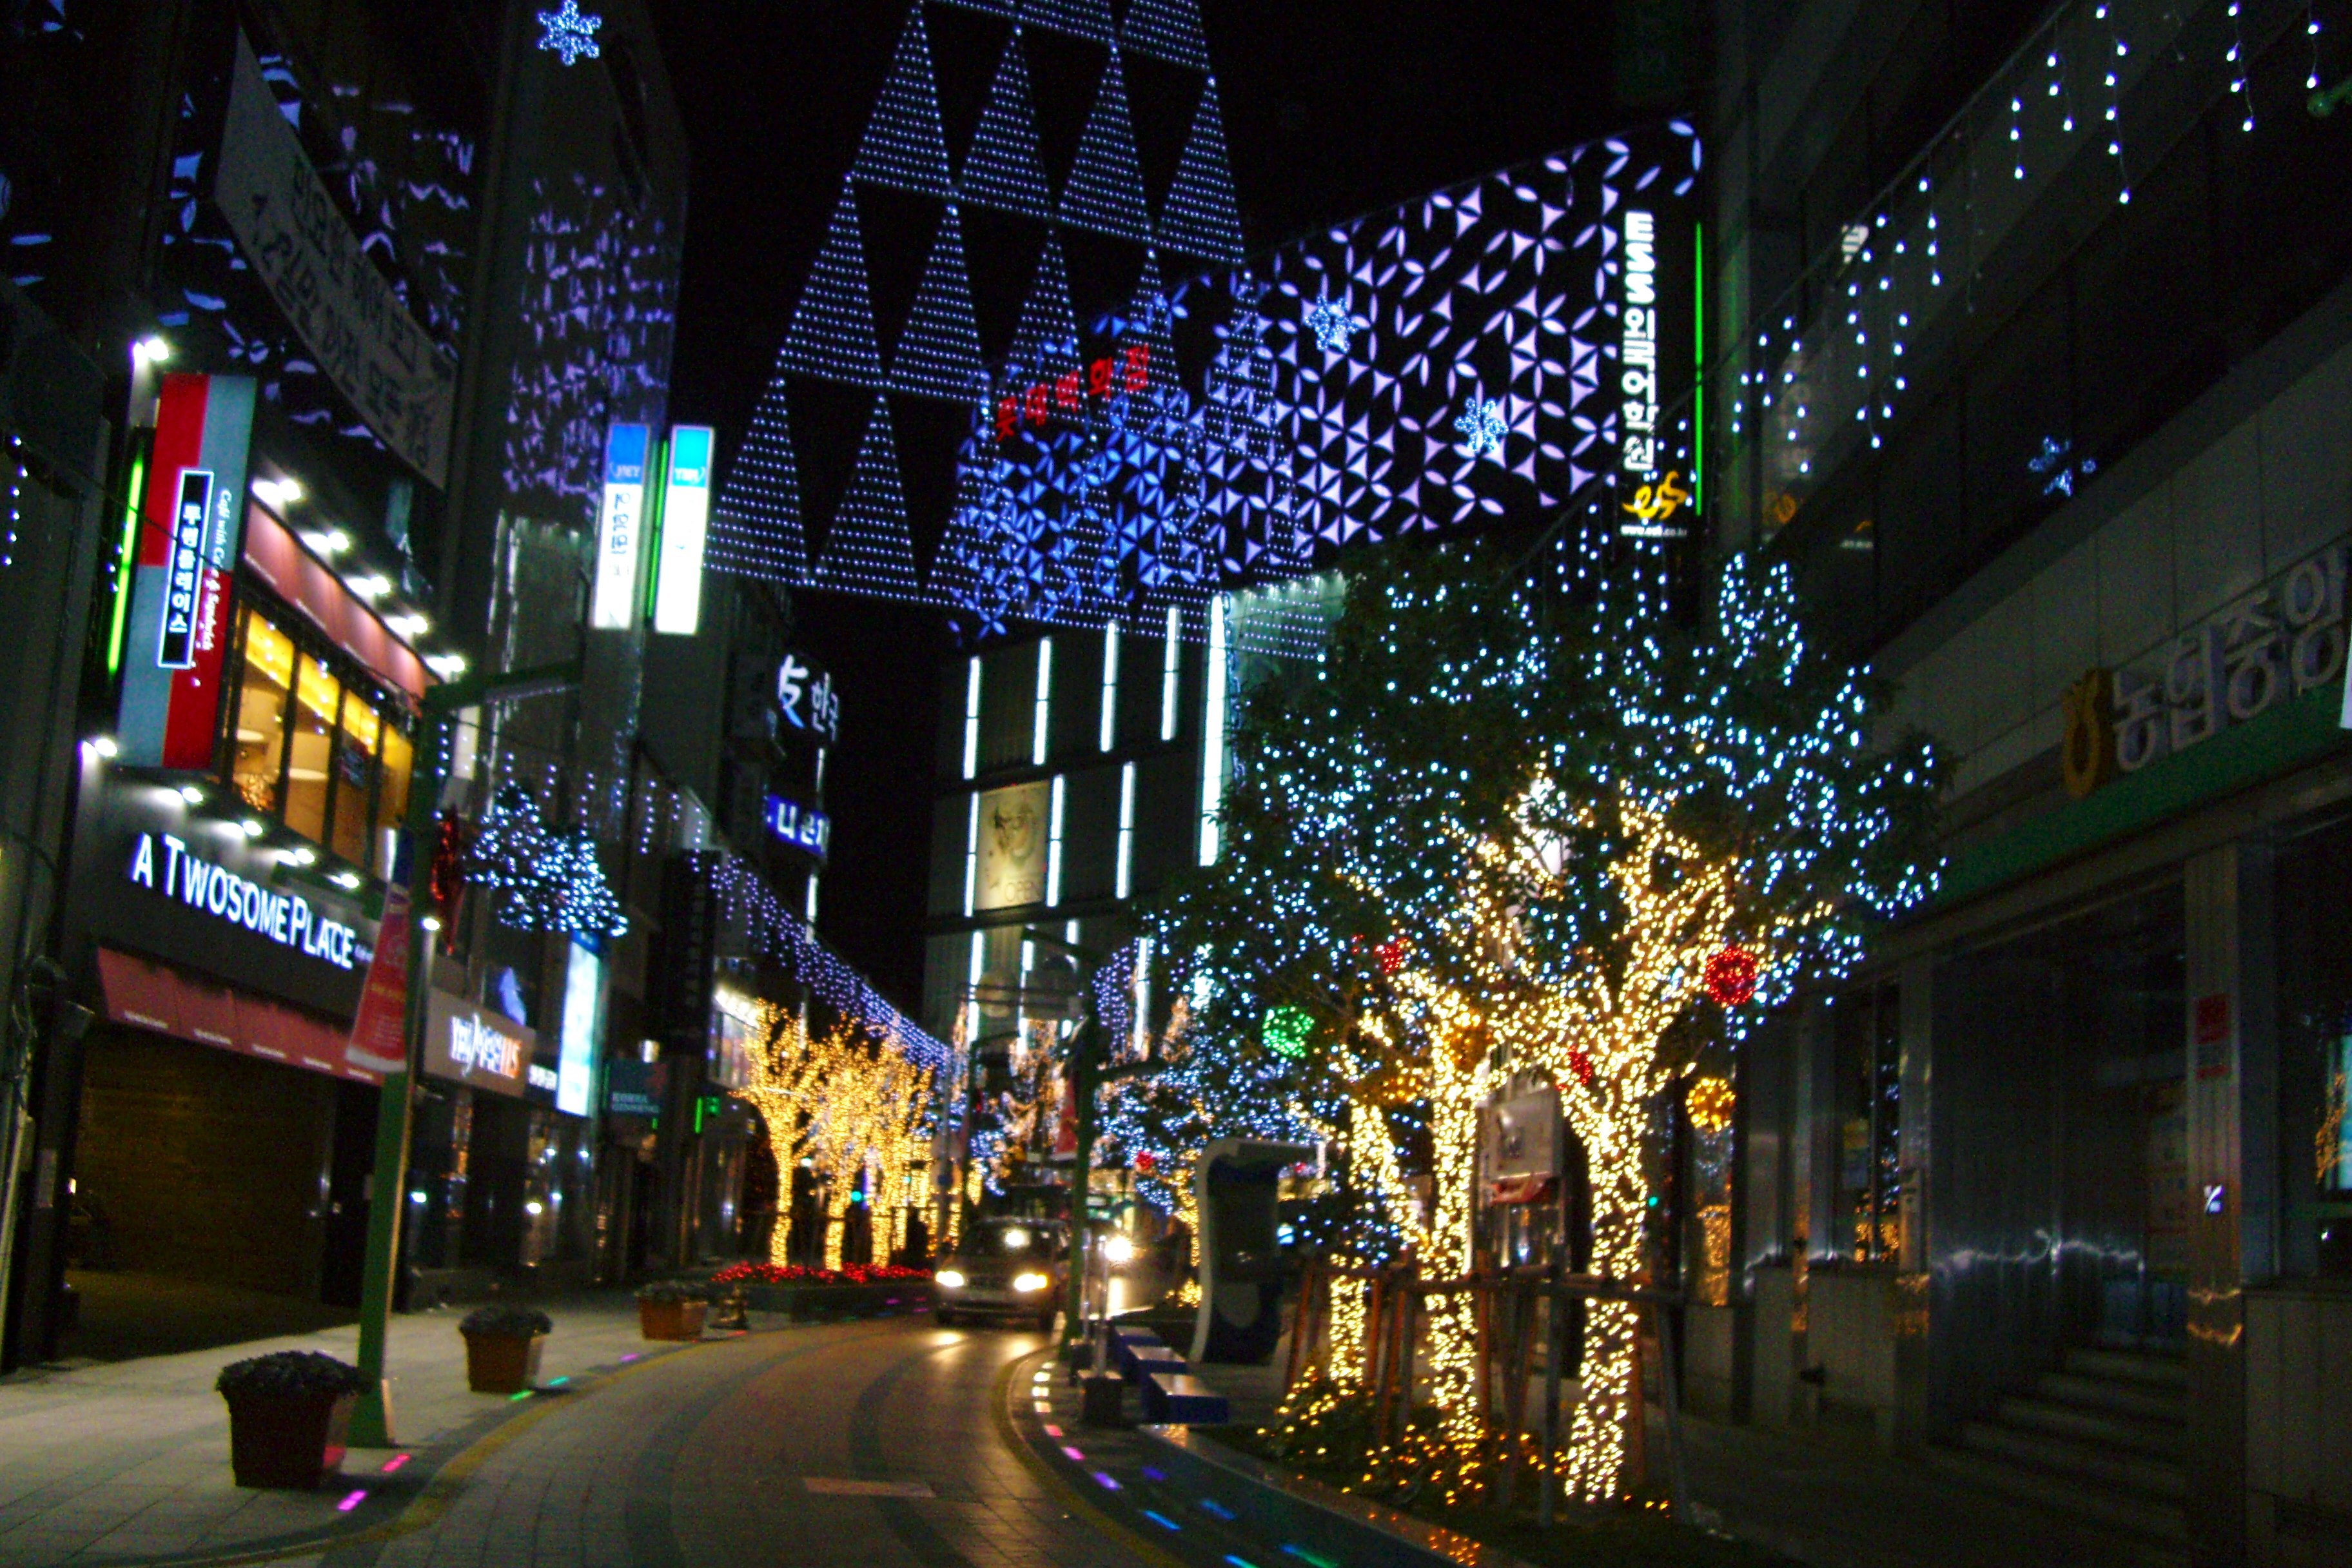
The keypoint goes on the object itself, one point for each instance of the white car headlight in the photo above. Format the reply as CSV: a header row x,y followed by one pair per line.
x,y
950,1278
1029,1283
1120,1249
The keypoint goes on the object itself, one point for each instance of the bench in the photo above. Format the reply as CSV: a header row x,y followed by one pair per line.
x,y
1142,1364
1126,1342
1180,1399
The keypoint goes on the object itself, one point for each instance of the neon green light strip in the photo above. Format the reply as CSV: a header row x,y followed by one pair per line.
x,y
657,502
129,560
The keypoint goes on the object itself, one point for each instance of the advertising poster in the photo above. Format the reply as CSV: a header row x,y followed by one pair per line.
x,y
1013,846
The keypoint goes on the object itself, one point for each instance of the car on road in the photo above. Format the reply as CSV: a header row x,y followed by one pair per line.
x,y
1005,1267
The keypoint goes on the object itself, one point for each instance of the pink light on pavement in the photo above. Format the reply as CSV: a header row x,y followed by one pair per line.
x,y
1073,1454
395,1463
1052,1431
351,1501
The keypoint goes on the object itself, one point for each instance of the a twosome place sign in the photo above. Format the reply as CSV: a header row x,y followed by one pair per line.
x,y
177,871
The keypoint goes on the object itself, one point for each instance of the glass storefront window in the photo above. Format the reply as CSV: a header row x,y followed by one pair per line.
x,y
2315,1028
392,794
317,699
354,795
260,750
1868,1224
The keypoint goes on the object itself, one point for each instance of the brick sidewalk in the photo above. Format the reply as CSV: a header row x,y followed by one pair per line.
x,y
129,1461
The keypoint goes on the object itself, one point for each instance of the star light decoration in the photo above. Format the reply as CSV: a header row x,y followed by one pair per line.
x,y
570,33
1333,327
1574,806
1482,428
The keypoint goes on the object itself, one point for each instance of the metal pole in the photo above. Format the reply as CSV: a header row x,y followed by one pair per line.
x,y
1082,1084
371,1425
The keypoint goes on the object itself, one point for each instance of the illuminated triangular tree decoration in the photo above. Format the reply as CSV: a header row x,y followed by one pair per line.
x,y
509,841
1002,169
833,326
1047,336
567,893
1079,18
755,529
1491,831
868,546
939,352
1200,216
1168,30
904,147
1105,192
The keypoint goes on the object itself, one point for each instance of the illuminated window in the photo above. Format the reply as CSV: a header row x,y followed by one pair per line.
x,y
1053,846
1109,687
392,794
318,701
971,722
971,984
1142,994
1213,735
971,852
1126,830
1168,672
1044,699
355,769
260,752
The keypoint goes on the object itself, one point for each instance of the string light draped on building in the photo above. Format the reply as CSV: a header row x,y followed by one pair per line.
x,y
760,524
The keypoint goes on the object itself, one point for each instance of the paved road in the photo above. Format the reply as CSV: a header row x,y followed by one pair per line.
x,y
886,1444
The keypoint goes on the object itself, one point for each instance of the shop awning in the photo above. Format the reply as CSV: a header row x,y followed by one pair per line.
x,y
150,996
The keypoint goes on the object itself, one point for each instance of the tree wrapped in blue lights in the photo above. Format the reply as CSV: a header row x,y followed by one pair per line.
x,y
1494,831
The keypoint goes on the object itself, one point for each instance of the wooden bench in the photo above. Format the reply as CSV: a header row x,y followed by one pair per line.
x,y
1180,1399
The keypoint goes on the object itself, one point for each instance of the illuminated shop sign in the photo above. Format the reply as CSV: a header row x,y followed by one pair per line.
x,y
802,826
685,525
806,702
177,872
1126,371
584,1029
620,529
471,1045
193,513
1637,368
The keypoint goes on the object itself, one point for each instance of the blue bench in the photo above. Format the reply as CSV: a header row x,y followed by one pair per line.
x,y
1142,1364
1126,1342
1180,1399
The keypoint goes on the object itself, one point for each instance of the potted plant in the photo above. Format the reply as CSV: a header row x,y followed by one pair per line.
x,y
288,1413
503,1342
671,1310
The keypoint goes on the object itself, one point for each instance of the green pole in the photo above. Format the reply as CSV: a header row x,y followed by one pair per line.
x,y
1082,1085
387,1195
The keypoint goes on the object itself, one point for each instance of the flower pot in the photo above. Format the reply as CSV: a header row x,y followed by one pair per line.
x,y
502,1363
671,1320
288,1441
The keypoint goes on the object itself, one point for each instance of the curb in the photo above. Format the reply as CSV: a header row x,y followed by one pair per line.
x,y
1080,1506
1343,1528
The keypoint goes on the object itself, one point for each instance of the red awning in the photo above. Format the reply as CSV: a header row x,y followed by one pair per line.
x,y
150,996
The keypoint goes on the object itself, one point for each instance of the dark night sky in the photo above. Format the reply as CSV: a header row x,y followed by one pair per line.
x,y
1331,108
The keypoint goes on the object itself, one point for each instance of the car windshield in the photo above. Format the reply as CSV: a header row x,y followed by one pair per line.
x,y
1011,1238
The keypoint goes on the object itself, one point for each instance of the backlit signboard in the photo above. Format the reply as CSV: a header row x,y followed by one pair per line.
x,y
470,1044
620,530
685,523
583,1027
806,703
805,827
192,527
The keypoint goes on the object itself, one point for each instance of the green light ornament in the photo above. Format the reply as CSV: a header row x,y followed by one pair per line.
x,y
1285,1029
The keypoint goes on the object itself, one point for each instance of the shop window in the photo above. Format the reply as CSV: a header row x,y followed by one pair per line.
x,y
2314,1025
1867,1221
259,756
355,769
392,794
318,700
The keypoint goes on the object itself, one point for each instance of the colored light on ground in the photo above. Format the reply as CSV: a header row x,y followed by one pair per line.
x,y
1106,1481
1303,1556
631,1356
351,1501
512,1398
1163,1521
1240,1562
1211,1506
559,1382
395,1463
1151,1475
1052,1431
1073,1454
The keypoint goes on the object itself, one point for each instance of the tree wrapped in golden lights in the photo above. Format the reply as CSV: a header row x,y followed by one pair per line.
x,y
1494,831
843,1101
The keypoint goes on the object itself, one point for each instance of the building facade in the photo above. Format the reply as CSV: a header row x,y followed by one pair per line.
x,y
2033,370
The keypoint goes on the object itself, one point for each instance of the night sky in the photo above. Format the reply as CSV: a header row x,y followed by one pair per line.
x,y
1331,109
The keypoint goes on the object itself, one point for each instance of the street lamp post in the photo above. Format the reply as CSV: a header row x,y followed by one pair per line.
x,y
371,1425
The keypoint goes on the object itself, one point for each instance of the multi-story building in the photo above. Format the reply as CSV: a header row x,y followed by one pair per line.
x,y
2035,332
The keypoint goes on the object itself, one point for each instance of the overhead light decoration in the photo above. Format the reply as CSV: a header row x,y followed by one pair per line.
x,y
565,893
506,847
1730,977
1333,327
569,33
150,350
447,666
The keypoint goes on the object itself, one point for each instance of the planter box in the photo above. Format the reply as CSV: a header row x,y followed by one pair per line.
x,y
808,1302
502,1363
292,1441
671,1320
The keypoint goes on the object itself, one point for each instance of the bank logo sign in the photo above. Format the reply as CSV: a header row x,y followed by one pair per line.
x,y
620,529
286,918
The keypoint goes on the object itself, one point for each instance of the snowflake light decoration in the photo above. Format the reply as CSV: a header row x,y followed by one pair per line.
x,y
1482,427
569,33
1332,325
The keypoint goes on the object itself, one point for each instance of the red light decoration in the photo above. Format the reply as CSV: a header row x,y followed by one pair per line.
x,y
1392,955
1146,1162
1730,977
1582,1065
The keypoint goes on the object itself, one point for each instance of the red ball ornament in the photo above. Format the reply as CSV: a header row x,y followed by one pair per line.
x,y
1582,1065
1145,1164
1391,954
1730,977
